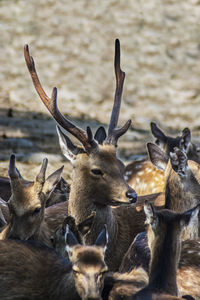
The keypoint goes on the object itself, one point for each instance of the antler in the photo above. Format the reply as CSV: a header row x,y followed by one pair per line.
x,y
51,104
113,133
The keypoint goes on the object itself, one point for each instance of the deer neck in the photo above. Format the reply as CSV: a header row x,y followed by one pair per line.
x,y
43,234
181,195
165,256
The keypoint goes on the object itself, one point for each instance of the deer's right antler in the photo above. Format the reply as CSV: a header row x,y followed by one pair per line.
x,y
51,104
113,133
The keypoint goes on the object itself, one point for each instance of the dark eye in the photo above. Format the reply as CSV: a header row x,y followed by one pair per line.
x,y
36,211
75,272
198,150
97,172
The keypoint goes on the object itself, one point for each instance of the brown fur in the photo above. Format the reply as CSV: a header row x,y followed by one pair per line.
x,y
27,205
144,177
181,190
59,194
96,193
188,272
52,277
164,238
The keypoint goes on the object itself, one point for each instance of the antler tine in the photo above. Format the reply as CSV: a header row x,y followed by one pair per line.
x,y
120,75
113,133
112,139
51,103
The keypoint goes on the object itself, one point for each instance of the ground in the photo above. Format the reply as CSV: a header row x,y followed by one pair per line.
x,y
72,43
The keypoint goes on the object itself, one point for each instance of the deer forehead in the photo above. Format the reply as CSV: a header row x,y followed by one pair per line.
x,y
23,208
87,255
89,270
25,200
103,157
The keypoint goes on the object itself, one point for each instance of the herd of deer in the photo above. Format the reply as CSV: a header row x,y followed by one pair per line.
x,y
101,240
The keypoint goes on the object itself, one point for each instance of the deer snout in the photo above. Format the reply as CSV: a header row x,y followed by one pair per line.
x,y
131,195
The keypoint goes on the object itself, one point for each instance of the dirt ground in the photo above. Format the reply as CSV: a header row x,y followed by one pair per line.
x,y
72,43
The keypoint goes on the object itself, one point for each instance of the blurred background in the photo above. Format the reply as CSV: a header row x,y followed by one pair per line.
x,y
72,43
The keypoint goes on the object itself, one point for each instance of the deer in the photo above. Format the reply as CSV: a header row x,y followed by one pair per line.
x,y
138,277
53,276
98,183
59,194
163,232
138,256
182,186
147,178
27,204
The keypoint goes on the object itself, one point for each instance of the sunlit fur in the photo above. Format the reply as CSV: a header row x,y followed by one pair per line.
x,y
26,206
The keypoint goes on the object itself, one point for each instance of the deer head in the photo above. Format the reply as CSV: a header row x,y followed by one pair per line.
x,y
97,170
88,264
167,143
28,199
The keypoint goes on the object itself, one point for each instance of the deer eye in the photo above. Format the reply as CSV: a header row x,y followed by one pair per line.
x,y
97,172
76,272
36,211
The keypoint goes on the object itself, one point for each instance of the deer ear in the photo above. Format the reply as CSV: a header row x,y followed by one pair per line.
x,y
13,173
70,241
2,219
157,133
102,239
190,216
52,181
157,156
100,135
185,140
69,150
151,218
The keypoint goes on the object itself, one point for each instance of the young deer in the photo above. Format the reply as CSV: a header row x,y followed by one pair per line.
x,y
33,271
164,230
144,176
182,177
27,204
188,273
59,194
98,180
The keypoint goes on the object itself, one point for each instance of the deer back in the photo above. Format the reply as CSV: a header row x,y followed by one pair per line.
x,y
144,176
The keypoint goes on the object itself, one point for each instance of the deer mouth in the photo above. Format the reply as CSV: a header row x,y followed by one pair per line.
x,y
118,203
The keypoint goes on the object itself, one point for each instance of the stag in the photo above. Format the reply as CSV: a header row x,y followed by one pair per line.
x,y
97,179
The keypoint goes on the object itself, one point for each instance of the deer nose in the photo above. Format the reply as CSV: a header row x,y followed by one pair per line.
x,y
132,196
